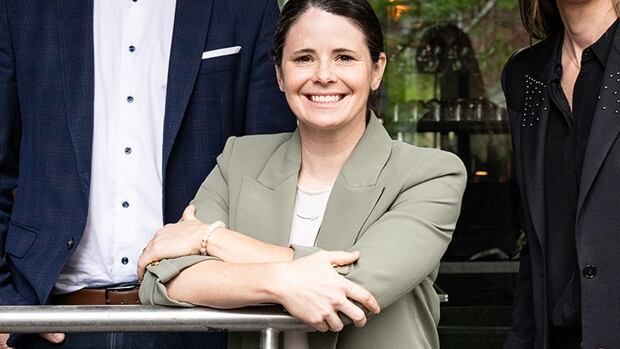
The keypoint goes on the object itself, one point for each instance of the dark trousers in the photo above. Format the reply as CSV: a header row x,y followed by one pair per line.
x,y
132,340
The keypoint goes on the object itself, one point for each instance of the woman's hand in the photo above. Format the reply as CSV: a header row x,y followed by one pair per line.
x,y
174,240
312,291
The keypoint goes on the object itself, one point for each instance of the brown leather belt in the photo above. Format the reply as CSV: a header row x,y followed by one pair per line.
x,y
121,295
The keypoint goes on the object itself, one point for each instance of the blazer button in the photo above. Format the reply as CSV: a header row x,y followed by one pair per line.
x,y
69,244
590,272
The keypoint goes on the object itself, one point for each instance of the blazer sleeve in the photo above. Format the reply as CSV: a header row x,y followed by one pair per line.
x,y
267,110
153,290
521,334
212,198
404,246
10,130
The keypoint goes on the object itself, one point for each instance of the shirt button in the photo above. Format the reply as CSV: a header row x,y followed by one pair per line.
x,y
125,204
128,150
70,244
125,260
129,99
590,272
132,48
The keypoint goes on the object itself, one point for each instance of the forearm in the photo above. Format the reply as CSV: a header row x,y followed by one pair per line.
x,y
190,236
225,285
234,247
308,288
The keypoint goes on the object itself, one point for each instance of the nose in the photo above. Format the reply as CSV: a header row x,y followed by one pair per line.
x,y
324,74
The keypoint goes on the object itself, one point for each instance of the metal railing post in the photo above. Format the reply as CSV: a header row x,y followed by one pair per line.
x,y
269,338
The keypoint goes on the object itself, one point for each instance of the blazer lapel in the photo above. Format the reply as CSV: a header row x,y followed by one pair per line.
x,y
75,28
266,204
191,24
605,123
356,191
533,128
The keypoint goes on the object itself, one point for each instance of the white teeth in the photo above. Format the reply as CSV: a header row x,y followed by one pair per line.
x,y
325,99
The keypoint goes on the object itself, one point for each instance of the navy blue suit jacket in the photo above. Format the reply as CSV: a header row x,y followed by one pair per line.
x,y
46,120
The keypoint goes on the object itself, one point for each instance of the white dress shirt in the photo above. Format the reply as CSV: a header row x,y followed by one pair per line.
x,y
132,40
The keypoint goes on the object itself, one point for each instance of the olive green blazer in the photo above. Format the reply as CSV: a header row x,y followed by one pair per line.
x,y
395,203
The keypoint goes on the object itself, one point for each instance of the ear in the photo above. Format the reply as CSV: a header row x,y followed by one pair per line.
x,y
279,78
378,68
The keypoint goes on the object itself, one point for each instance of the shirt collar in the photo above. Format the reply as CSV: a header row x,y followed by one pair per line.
x,y
599,50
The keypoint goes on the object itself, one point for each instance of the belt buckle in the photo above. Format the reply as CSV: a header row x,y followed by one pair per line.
x,y
119,288
122,287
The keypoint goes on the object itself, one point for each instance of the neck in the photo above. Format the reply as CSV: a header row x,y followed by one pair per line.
x,y
585,22
323,154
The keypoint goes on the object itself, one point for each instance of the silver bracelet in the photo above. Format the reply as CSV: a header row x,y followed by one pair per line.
x,y
208,233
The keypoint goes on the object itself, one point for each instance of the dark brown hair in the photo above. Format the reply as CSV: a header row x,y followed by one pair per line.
x,y
357,11
541,18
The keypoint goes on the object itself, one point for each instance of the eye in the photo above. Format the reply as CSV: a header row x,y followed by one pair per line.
x,y
345,58
303,59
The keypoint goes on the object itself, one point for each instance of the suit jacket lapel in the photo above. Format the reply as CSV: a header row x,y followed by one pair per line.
x,y
533,130
75,28
266,204
605,123
356,191
191,24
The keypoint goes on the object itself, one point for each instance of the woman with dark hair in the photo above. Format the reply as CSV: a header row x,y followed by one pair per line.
x,y
563,98
275,205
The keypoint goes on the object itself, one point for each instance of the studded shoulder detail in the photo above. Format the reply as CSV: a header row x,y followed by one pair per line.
x,y
534,99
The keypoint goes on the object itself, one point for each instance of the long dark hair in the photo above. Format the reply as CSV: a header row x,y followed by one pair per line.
x,y
541,18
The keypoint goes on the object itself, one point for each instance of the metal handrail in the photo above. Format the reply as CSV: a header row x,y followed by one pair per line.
x,y
268,320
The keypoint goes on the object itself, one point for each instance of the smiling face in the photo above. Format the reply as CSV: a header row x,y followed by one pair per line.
x,y
327,72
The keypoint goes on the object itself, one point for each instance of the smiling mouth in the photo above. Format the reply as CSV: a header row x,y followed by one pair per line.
x,y
325,99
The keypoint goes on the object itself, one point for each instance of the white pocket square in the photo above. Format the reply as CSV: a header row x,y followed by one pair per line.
x,y
221,52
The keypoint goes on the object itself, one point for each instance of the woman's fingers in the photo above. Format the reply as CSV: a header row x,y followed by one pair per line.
x,y
321,326
342,257
353,312
142,263
353,290
362,296
333,322
173,240
145,259
189,214
55,338
315,293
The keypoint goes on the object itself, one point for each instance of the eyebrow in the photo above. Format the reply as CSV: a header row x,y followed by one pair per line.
x,y
308,50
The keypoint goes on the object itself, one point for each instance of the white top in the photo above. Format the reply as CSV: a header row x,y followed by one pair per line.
x,y
132,42
307,217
